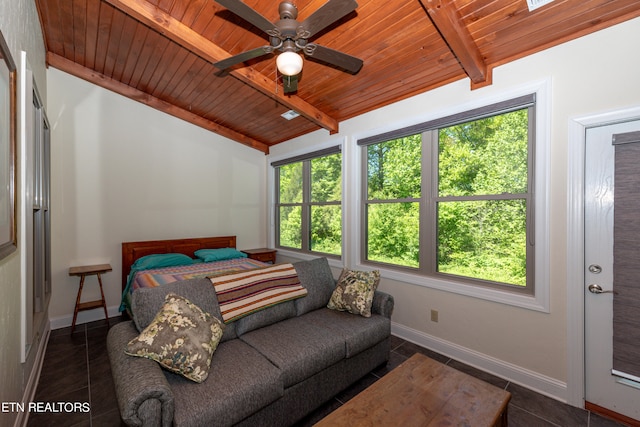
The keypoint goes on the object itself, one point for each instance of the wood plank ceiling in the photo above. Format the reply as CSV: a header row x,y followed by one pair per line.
x,y
160,52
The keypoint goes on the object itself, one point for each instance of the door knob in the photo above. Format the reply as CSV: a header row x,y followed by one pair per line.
x,y
597,289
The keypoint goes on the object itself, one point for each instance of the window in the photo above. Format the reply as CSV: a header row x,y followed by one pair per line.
x,y
308,202
453,198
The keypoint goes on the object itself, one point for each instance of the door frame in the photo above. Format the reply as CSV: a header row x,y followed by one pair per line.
x,y
575,244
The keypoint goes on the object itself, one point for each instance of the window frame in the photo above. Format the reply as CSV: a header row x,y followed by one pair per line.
x,y
539,300
429,198
306,204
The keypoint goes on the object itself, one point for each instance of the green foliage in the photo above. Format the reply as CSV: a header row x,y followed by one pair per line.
x,y
393,233
480,201
326,229
394,172
486,156
394,169
326,178
484,239
290,183
322,221
291,226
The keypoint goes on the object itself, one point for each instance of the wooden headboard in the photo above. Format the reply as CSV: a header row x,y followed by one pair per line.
x,y
131,251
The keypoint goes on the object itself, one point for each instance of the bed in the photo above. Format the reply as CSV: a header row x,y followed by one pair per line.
x,y
151,277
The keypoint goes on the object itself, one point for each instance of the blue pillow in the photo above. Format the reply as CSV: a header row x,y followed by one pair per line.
x,y
210,255
161,260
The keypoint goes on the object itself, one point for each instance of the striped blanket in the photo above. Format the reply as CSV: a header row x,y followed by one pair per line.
x,y
160,276
243,293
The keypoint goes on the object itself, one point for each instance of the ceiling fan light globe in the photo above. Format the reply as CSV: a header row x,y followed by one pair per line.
x,y
289,63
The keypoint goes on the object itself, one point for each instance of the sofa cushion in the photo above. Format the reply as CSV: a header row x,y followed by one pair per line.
x,y
146,302
354,292
316,276
358,332
240,382
181,338
265,317
298,348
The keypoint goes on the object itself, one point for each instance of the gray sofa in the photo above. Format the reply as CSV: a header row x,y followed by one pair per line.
x,y
271,368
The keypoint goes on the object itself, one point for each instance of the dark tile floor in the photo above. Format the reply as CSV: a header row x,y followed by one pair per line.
x,y
76,369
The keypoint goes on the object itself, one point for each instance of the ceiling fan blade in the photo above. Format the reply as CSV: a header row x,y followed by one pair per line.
x,y
348,63
329,13
248,14
241,57
290,83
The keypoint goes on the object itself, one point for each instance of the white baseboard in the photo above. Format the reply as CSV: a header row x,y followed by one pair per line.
x,y
542,384
83,317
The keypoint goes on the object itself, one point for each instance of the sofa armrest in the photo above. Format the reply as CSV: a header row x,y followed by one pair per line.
x,y
144,395
382,304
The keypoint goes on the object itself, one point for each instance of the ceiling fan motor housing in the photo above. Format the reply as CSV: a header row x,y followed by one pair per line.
x,y
288,10
289,29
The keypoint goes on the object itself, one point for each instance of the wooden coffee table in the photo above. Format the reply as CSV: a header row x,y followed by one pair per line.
x,y
423,392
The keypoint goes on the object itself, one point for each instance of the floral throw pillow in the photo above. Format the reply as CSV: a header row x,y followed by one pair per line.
x,y
181,338
354,292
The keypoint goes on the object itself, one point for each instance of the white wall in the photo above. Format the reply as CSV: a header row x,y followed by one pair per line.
x,y
529,346
20,27
122,171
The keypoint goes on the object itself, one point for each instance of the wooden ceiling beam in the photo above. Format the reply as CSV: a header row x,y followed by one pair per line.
x,y
101,80
175,30
448,22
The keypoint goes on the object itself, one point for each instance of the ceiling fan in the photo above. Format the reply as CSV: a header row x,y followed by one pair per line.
x,y
289,36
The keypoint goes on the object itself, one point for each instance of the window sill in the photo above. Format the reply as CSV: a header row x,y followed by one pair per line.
x,y
335,262
538,302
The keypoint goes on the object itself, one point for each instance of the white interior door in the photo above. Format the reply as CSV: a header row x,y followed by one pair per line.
x,y
602,387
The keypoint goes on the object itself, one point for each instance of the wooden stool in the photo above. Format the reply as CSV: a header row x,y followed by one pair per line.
x,y
84,271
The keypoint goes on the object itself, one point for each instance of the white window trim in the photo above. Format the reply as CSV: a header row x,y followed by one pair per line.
x,y
537,302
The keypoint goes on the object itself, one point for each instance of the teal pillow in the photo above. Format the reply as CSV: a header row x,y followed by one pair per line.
x,y
210,255
161,260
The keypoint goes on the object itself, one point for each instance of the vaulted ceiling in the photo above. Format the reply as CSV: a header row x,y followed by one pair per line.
x,y
160,53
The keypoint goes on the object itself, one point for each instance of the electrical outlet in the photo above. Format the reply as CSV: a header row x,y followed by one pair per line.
x,y
434,316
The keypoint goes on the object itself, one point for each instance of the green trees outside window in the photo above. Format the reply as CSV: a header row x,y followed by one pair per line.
x,y
290,209
482,198
394,191
309,205
454,200
451,198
